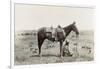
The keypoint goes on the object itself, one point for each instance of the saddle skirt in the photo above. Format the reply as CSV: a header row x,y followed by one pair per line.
x,y
52,30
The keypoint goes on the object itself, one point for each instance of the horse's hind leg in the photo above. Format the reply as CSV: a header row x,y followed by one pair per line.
x,y
39,46
39,51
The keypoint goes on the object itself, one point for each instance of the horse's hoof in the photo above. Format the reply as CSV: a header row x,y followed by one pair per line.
x,y
39,55
32,56
61,56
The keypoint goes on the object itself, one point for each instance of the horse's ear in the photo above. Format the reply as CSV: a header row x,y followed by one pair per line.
x,y
74,23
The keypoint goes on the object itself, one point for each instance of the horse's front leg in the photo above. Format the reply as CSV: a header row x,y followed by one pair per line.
x,y
61,49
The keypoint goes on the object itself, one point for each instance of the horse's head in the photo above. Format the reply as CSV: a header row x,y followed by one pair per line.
x,y
74,28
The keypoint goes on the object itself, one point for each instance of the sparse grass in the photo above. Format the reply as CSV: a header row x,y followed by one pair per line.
x,y
26,50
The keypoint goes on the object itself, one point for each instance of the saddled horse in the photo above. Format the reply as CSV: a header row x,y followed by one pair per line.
x,y
43,34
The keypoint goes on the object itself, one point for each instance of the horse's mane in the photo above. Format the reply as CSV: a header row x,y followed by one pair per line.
x,y
66,27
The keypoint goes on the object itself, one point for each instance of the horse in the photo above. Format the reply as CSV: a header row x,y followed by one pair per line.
x,y
42,35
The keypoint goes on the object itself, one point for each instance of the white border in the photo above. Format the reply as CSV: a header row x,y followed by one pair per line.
x,y
52,4
12,3
12,34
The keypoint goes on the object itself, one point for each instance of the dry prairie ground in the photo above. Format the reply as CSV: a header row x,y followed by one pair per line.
x,y
26,50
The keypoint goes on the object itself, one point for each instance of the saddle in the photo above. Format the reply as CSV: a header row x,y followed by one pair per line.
x,y
54,31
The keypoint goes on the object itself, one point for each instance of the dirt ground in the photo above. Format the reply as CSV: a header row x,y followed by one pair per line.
x,y
26,49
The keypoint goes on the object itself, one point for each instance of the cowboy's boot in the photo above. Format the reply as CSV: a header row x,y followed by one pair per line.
x,y
69,54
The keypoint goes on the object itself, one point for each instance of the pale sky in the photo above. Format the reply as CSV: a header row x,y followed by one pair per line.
x,y
30,17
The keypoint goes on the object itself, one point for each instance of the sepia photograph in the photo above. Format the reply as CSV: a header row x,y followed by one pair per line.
x,y
46,34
